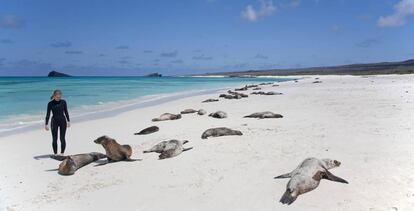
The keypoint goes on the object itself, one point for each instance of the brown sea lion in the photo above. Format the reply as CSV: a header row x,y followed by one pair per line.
x,y
169,149
226,96
70,164
263,115
210,100
317,82
307,176
237,93
148,130
114,151
266,93
167,116
218,115
257,88
220,131
188,111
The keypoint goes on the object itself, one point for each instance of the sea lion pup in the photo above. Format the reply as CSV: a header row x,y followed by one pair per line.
x,y
188,111
70,164
220,131
169,149
317,82
148,130
201,112
307,176
257,88
263,115
167,116
210,100
114,151
218,115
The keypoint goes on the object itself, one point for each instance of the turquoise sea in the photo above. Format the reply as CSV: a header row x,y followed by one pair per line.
x,y
23,100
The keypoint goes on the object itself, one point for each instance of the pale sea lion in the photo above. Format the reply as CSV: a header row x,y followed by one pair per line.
x,y
148,130
167,116
210,100
263,115
114,151
218,114
188,111
307,176
220,131
169,149
201,112
70,164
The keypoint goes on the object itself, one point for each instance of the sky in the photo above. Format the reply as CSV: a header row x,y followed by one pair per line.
x,y
174,37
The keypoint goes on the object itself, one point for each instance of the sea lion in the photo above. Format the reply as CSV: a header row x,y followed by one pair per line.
x,y
114,151
268,83
307,176
167,116
237,93
274,85
266,93
218,115
226,96
210,100
317,82
241,89
263,115
220,131
188,111
148,130
257,88
70,164
169,149
201,112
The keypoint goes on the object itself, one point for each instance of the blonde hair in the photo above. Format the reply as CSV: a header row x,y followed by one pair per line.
x,y
55,92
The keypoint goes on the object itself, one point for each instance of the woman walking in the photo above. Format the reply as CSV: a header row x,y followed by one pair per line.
x,y
60,120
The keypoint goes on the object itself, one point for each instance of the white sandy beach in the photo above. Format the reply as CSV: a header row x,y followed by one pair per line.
x,y
367,123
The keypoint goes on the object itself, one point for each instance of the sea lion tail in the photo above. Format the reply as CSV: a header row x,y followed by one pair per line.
x,y
287,198
287,175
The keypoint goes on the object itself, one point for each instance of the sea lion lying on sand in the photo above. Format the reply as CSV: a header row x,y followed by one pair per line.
x,y
169,149
257,88
307,176
268,83
218,115
266,93
210,100
188,111
263,115
148,130
225,96
317,82
167,116
220,131
237,93
201,112
70,164
114,151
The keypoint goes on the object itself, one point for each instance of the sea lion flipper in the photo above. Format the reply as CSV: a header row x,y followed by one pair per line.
x,y
287,175
329,176
186,149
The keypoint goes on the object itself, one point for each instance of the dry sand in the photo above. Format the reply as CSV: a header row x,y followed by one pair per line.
x,y
367,123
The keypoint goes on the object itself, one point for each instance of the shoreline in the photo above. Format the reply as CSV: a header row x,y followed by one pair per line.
x,y
363,122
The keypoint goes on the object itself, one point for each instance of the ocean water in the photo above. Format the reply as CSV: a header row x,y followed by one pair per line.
x,y
23,100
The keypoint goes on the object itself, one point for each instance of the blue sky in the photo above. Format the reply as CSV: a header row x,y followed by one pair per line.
x,y
100,37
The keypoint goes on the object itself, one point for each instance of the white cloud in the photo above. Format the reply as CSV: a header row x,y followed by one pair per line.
x,y
266,9
402,10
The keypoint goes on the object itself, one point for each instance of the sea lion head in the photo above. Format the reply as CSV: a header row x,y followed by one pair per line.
x,y
329,163
102,140
67,167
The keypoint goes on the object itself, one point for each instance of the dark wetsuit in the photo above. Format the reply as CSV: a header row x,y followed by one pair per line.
x,y
60,115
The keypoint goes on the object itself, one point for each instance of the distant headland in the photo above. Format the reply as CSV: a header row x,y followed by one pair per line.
x,y
57,74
